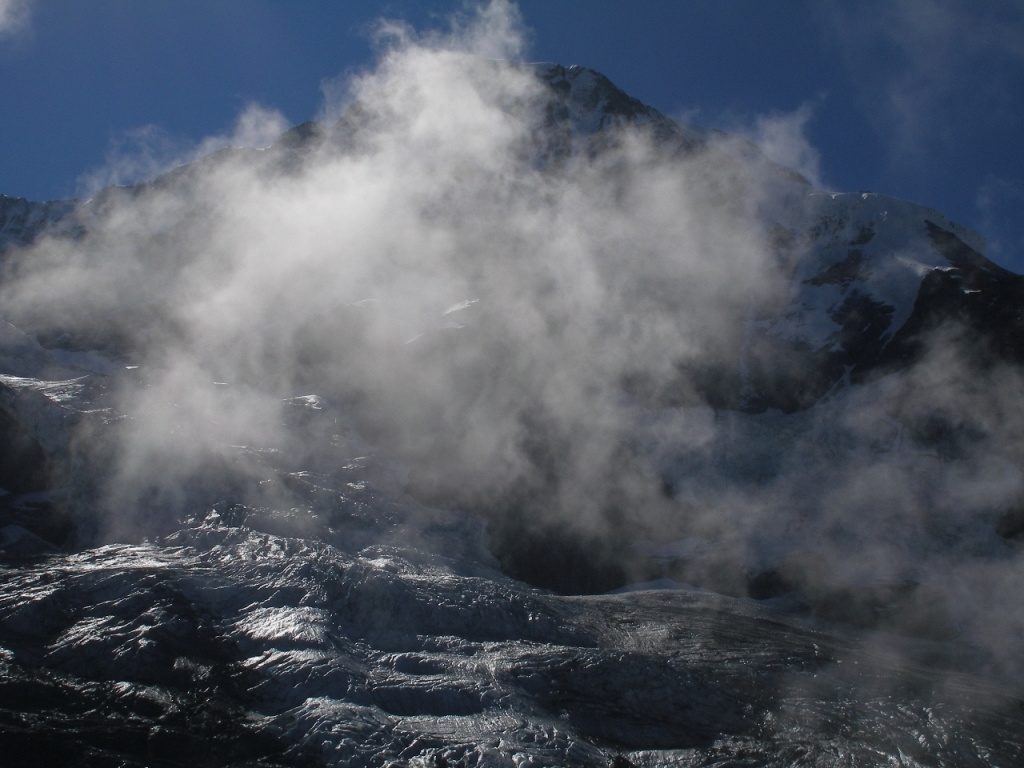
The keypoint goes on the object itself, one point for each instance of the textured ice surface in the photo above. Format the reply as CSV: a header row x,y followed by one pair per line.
x,y
384,655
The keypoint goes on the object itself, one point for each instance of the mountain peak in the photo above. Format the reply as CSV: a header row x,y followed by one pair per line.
x,y
593,103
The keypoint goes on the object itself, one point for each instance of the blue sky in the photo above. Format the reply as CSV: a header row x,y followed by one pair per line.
x,y
921,99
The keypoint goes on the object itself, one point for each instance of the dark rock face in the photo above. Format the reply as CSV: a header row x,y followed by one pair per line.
x,y
24,467
22,220
974,300
590,103
558,558
30,520
980,301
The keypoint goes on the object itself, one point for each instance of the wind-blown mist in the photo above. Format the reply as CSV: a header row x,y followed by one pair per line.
x,y
479,301
528,321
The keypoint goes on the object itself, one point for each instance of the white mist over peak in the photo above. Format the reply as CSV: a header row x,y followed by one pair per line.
x,y
617,265
148,152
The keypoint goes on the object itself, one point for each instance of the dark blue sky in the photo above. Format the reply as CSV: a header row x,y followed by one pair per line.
x,y
921,99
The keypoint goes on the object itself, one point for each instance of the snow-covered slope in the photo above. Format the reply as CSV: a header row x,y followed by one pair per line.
x,y
289,434
863,270
862,245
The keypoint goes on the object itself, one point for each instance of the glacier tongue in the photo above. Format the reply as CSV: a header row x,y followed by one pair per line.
x,y
291,651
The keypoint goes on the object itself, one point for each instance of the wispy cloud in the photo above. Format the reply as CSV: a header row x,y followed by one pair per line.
x,y
929,71
782,137
144,153
15,17
336,271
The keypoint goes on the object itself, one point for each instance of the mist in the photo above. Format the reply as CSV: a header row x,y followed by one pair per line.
x,y
436,269
526,322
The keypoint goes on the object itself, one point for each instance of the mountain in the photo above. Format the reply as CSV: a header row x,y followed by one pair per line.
x,y
506,421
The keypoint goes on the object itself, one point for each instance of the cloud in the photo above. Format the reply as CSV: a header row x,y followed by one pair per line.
x,y
147,152
930,71
257,126
336,270
782,137
135,156
493,30
15,17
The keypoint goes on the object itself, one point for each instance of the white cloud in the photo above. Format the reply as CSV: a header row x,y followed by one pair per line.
x,y
930,71
257,126
782,136
147,152
134,156
490,30
15,17
617,267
